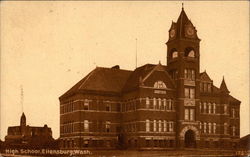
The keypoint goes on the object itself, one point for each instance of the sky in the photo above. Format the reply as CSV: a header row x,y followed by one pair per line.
x,y
47,47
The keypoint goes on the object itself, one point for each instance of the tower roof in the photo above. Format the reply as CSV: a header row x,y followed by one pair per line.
x,y
23,116
184,27
223,86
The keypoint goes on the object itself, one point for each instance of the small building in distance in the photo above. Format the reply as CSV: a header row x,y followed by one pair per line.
x,y
25,136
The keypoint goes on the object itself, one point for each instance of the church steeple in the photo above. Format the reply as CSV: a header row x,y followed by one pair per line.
x,y
223,86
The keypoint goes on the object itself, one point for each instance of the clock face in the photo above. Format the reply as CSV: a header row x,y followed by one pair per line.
x,y
172,33
190,31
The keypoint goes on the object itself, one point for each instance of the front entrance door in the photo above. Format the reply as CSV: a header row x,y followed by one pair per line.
x,y
190,139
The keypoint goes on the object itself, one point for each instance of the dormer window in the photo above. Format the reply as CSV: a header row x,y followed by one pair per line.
x,y
160,85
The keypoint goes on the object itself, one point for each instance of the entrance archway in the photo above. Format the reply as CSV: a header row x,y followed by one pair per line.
x,y
190,139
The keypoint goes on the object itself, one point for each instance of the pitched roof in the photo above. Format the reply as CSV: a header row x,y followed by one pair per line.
x,y
205,77
134,78
102,79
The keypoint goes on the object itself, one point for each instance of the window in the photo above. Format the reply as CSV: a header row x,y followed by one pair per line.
x,y
86,125
164,125
200,125
154,103
160,125
209,87
171,127
191,114
214,128
225,128
205,87
205,127
159,102
164,103
147,103
200,107
214,108
175,54
209,128
147,125
186,114
191,54
86,104
108,107
209,108
160,85
154,125
205,107
225,109
189,74
189,93
233,130
171,104
107,126
201,87
233,113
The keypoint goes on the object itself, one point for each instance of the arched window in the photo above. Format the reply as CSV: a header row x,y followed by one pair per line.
x,y
174,54
189,52
160,85
164,103
164,125
209,108
214,108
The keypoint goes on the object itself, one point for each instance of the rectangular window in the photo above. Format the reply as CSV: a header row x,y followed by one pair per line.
x,y
154,125
147,125
214,108
225,109
186,92
160,125
108,107
209,128
233,113
147,103
209,87
205,87
193,75
186,114
159,102
225,128
154,103
234,130
165,126
192,93
185,73
205,128
171,127
192,114
201,87
164,104
209,108
86,105
86,125
214,128
107,126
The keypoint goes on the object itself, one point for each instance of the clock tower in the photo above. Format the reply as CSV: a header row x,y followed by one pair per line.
x,y
183,64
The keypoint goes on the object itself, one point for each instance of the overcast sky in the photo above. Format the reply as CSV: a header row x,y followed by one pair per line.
x,y
47,47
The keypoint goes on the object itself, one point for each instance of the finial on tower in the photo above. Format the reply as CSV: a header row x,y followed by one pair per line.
x,y
182,6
